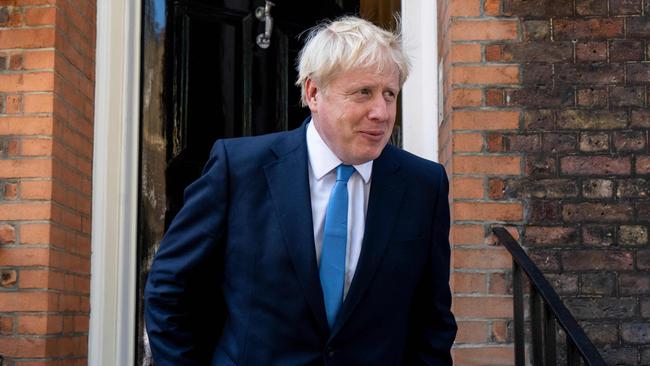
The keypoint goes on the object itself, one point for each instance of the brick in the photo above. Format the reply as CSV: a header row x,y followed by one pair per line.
x,y
634,284
481,164
469,282
25,168
619,355
40,16
559,142
591,7
522,143
623,50
492,258
632,235
537,30
598,235
500,284
7,234
10,191
26,38
485,120
595,165
467,188
592,97
39,103
496,189
472,332
635,332
36,189
630,140
537,74
620,96
492,7
483,30
487,211
540,165
638,73
563,284
494,97
592,29
497,355
463,97
537,8
594,141
38,324
638,27
540,97
595,260
26,126
465,8
591,51
598,284
540,119
485,75
600,333
596,212
550,188
36,147
467,234
643,164
16,62
539,51
11,17
594,119
640,118
14,104
597,188
643,210
8,278
643,263
38,81
482,307
592,73
545,260
493,52
551,236
466,52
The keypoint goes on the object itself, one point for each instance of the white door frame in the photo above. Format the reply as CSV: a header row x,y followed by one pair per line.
x,y
420,92
115,184
111,338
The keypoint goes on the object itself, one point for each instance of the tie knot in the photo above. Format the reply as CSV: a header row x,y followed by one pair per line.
x,y
344,172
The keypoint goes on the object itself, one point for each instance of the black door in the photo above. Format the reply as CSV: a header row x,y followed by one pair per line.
x,y
205,77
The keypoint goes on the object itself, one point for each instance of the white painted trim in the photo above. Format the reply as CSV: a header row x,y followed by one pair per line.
x,y
111,338
420,92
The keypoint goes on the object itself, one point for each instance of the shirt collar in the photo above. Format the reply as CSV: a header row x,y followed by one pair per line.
x,y
322,160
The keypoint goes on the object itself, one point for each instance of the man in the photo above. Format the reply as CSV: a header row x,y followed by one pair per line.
x,y
328,246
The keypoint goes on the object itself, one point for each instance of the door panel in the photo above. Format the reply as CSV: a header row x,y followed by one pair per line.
x,y
205,78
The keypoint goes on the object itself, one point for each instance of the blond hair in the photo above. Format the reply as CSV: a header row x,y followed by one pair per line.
x,y
348,43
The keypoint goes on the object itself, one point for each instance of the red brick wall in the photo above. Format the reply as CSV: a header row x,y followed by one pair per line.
x,y
46,115
482,304
548,114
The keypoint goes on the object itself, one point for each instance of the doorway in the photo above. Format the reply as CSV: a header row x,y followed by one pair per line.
x,y
206,76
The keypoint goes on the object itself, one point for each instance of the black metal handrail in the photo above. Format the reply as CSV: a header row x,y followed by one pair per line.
x,y
545,308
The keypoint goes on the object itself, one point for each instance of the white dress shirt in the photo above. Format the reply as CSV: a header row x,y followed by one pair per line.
x,y
322,176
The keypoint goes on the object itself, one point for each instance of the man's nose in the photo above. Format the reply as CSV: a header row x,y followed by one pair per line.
x,y
379,109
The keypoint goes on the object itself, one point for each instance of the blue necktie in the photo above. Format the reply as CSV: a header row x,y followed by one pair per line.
x,y
335,236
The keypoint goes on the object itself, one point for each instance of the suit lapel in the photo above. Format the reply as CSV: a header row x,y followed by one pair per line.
x,y
386,194
288,181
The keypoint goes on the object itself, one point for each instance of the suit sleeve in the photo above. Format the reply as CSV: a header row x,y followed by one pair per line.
x,y
436,324
184,271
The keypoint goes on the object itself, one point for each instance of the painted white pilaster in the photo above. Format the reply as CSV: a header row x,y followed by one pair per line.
x,y
420,92
115,184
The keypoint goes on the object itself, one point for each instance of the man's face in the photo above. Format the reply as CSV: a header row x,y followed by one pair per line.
x,y
356,113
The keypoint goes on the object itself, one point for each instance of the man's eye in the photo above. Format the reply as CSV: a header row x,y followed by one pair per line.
x,y
389,95
364,91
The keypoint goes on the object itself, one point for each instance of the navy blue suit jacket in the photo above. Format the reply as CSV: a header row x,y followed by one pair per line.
x,y
245,235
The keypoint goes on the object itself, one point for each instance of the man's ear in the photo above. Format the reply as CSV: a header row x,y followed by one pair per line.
x,y
311,93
